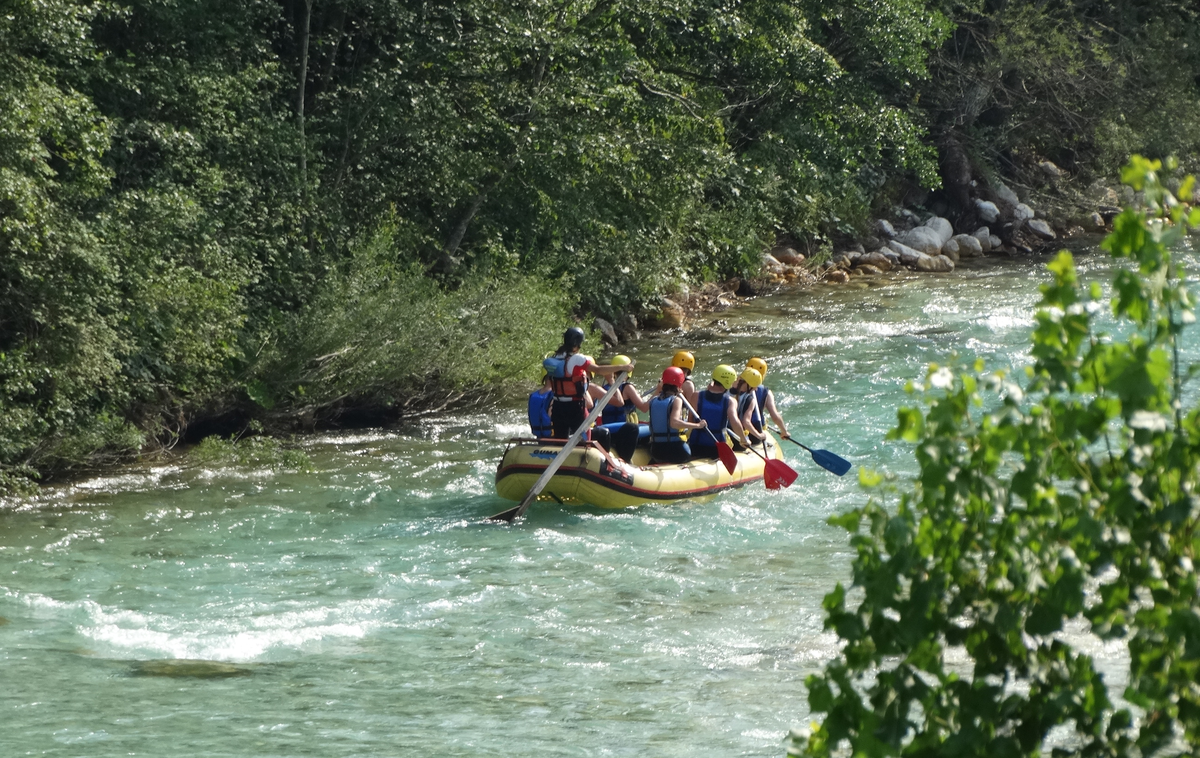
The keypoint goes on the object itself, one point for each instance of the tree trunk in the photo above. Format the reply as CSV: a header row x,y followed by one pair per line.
x,y
300,87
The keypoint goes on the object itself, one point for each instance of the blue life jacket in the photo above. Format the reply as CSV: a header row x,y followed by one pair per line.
x,y
539,413
660,420
743,402
711,408
614,414
759,417
564,387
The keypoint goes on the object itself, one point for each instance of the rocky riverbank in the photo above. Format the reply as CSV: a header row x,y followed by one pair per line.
x,y
998,222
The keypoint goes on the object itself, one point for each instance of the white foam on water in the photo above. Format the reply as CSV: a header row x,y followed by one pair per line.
x,y
245,633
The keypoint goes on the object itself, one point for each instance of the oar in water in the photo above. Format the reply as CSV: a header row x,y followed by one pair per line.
x,y
776,473
514,513
825,459
724,451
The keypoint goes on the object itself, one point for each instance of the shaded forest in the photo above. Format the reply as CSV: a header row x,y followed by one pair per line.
x,y
313,210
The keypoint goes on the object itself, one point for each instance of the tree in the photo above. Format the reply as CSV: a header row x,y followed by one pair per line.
x,y
1066,505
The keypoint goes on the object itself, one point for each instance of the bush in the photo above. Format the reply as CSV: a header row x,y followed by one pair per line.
x,y
1067,505
380,331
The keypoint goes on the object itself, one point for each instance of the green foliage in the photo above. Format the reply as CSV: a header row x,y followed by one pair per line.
x,y
250,452
1041,513
380,332
1025,80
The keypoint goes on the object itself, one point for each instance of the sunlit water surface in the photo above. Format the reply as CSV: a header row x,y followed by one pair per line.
x,y
367,609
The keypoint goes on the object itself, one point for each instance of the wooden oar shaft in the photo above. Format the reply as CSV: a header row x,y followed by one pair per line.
x,y
568,446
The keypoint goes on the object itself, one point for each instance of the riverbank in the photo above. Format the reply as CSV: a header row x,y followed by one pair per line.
x,y
363,604
716,319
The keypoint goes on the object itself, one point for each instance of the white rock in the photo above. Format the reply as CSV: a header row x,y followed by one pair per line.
x,y
969,246
1041,229
922,238
984,236
935,263
1023,212
996,242
941,226
884,227
908,256
891,256
772,264
950,250
1096,220
987,211
1007,195
1049,169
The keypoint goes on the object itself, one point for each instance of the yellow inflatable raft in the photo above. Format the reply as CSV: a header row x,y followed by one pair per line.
x,y
591,476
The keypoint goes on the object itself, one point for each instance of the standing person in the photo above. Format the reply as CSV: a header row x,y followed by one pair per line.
x,y
716,406
766,400
667,419
746,391
539,409
568,369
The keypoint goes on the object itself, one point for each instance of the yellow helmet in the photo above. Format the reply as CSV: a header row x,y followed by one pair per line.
x,y
759,365
752,377
724,375
619,359
684,360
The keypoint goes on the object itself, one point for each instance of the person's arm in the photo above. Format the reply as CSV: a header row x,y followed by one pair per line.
x,y
770,408
731,415
748,415
677,421
688,390
631,394
596,391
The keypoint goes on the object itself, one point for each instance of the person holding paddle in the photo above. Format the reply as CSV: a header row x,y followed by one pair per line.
x,y
568,370
667,419
747,400
717,407
766,400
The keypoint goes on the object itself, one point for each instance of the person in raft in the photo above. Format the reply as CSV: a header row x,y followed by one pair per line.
x,y
539,409
717,408
667,419
624,405
766,400
747,401
568,369
687,362
619,420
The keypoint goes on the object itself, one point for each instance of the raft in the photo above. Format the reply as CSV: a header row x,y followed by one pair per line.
x,y
590,476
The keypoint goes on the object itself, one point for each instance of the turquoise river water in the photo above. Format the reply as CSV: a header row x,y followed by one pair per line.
x,y
367,609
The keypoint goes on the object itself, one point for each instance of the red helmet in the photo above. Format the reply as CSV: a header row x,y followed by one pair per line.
x,y
674,376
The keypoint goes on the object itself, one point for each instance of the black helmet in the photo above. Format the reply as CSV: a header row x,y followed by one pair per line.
x,y
573,337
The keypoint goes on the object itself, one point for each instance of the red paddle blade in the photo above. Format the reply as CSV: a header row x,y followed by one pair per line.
x,y
725,453
778,474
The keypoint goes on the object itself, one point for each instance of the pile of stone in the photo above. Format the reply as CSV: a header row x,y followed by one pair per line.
x,y
1001,226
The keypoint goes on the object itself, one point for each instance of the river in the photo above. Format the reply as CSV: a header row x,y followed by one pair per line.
x,y
365,609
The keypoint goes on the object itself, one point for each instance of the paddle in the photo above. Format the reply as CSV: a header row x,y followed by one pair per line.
x,y
568,446
724,451
776,473
826,459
